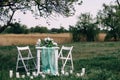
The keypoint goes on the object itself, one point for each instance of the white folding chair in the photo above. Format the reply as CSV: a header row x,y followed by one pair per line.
x,y
24,56
66,58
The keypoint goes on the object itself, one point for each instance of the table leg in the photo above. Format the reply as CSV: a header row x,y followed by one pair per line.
x,y
56,62
38,61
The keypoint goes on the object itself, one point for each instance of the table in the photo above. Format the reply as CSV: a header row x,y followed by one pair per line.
x,y
50,62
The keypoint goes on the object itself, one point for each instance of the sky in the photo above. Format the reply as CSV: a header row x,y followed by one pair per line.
x,y
92,6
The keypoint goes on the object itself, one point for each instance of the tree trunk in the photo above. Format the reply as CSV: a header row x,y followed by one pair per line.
x,y
8,23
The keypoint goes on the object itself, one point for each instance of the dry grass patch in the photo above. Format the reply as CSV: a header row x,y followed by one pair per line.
x,y
19,39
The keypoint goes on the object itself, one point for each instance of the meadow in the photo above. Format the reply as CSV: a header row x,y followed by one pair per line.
x,y
26,39
100,59
20,39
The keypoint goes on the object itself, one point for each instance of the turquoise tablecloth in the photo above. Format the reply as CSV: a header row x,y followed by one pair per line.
x,y
48,60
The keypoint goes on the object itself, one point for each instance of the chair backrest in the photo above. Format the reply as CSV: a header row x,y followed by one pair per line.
x,y
65,51
24,51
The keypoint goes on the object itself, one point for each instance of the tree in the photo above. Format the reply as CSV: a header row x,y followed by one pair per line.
x,y
86,26
39,29
40,8
75,33
16,28
110,18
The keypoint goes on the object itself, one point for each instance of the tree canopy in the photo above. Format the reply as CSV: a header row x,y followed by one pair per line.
x,y
110,18
40,8
85,26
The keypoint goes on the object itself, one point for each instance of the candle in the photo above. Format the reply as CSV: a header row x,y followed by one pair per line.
x,y
11,73
83,70
78,74
43,76
23,76
17,75
48,71
31,77
66,74
28,73
71,71
33,73
62,72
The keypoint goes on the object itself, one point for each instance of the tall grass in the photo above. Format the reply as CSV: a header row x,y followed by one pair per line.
x,y
17,39
101,60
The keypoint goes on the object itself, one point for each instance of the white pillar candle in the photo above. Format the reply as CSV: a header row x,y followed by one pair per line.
x,y
23,76
71,71
11,73
28,73
66,74
48,71
43,76
17,75
31,77
83,70
34,74
82,74
78,74
63,72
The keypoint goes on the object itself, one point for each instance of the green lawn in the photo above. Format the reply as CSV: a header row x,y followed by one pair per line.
x,y
101,60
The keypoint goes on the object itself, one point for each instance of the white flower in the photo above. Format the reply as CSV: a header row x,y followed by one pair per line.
x,y
51,39
48,42
47,39
39,40
54,43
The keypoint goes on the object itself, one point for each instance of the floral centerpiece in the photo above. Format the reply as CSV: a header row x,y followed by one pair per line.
x,y
47,42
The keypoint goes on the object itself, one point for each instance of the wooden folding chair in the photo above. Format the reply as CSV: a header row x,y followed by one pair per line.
x,y
66,58
24,56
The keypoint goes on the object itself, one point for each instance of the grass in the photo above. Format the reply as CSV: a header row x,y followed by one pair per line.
x,y
16,39
101,60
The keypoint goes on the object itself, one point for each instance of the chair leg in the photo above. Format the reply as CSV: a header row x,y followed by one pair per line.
x,y
64,65
25,66
72,64
17,65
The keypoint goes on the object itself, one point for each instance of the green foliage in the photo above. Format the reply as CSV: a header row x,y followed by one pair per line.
x,y
16,28
110,17
58,30
39,8
39,29
85,27
75,33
